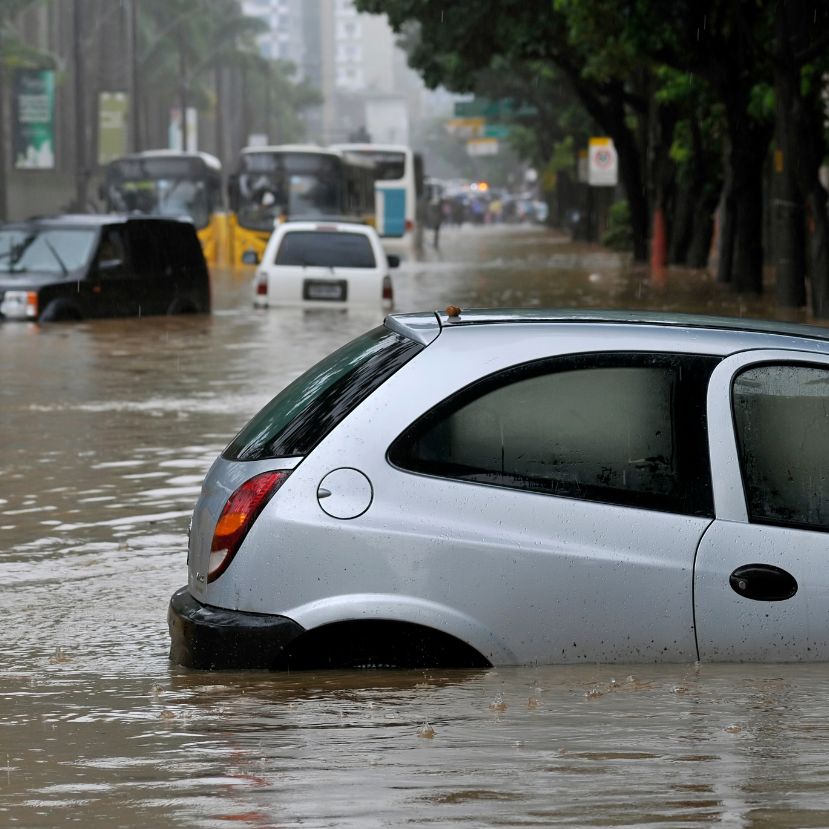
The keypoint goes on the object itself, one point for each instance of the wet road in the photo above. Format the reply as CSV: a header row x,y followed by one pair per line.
x,y
107,430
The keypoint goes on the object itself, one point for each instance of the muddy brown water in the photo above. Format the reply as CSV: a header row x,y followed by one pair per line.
x,y
106,430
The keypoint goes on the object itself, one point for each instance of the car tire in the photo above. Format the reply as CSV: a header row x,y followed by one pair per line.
x,y
182,306
60,310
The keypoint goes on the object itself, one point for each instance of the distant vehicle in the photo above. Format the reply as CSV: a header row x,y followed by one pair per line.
x,y
173,184
523,487
323,264
399,195
75,267
294,181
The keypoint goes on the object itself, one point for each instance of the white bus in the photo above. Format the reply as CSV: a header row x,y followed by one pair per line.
x,y
398,190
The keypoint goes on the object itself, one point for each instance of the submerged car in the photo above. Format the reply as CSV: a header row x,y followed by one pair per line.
x,y
76,267
318,264
499,488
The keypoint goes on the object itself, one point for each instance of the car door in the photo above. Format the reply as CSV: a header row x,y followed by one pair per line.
x,y
111,283
761,581
559,504
152,276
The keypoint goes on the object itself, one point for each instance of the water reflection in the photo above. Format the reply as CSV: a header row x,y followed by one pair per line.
x,y
108,429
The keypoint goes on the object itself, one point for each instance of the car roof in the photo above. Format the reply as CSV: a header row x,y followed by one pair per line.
x,y
424,327
85,220
326,226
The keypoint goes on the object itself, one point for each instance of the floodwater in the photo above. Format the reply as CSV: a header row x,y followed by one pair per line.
x,y
107,430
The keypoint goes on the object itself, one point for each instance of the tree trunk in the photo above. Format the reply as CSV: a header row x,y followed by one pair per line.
x,y
789,219
699,248
728,225
820,251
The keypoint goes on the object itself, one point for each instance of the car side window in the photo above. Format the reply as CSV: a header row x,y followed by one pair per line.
x,y
625,429
781,414
111,259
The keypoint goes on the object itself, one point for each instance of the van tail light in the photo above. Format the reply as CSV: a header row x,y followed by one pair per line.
x,y
388,291
409,225
262,285
238,515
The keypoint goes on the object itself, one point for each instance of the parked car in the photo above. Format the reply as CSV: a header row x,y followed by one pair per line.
x,y
74,267
497,488
331,263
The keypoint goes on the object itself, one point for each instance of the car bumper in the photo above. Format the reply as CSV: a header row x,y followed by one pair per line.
x,y
213,638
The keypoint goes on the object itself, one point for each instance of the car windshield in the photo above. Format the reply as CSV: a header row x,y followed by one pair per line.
x,y
325,249
40,249
306,410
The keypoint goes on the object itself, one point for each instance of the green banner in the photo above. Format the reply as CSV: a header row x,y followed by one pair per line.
x,y
112,126
34,119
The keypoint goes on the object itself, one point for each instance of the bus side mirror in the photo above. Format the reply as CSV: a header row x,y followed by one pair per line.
x,y
249,257
394,261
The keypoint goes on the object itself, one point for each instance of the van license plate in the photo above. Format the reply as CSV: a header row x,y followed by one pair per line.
x,y
333,290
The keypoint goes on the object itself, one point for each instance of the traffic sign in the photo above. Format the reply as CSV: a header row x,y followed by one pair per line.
x,y
602,163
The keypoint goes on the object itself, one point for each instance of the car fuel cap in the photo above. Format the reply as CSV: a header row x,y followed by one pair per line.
x,y
345,493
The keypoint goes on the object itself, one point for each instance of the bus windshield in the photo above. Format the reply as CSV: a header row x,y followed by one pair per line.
x,y
273,185
159,187
388,165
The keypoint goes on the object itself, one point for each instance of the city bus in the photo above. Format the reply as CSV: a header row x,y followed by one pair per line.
x,y
172,183
399,195
298,181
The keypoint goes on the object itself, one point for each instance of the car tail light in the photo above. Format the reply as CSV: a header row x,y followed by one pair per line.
x,y
409,225
388,291
238,515
262,285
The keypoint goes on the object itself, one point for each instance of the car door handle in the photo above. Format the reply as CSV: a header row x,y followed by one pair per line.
x,y
763,583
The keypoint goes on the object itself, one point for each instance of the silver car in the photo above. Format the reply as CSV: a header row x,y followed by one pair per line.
x,y
497,488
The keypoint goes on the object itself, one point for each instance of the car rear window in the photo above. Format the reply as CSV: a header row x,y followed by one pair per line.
x,y
303,413
325,249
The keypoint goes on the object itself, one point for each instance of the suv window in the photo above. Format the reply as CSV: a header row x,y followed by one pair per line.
x,y
617,428
781,413
325,249
303,413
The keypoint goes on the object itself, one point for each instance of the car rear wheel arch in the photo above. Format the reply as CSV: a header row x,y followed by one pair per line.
x,y
380,643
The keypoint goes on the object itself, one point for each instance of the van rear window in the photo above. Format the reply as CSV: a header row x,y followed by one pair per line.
x,y
303,413
325,249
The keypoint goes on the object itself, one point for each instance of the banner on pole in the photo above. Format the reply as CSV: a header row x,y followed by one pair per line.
x,y
112,126
34,119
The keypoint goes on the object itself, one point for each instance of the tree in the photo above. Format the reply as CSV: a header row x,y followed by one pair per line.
x,y
460,39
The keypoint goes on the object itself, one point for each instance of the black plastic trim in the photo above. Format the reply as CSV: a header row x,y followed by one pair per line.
x,y
214,638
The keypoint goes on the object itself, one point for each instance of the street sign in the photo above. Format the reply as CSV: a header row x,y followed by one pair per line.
x,y
466,127
482,146
602,163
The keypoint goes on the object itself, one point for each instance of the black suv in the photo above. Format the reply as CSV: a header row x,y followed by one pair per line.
x,y
72,267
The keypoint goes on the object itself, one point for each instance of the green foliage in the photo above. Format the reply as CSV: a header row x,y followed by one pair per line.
x,y
618,235
15,53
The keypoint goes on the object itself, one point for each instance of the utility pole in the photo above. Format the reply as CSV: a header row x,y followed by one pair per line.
x,y
182,55
81,176
135,107
3,175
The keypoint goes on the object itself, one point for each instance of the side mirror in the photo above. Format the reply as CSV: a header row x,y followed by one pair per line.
x,y
109,265
250,257
394,261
